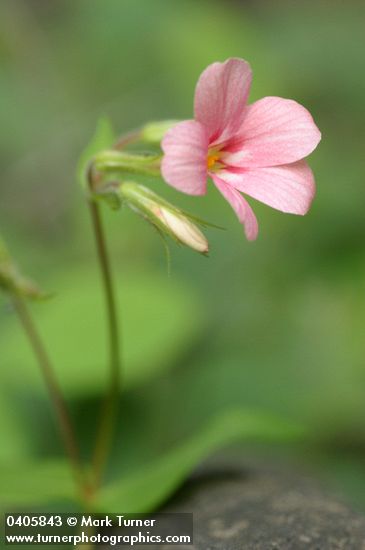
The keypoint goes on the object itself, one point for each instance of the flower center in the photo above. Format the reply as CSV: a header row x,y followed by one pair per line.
x,y
213,159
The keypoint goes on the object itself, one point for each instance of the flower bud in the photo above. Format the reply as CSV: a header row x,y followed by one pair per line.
x,y
155,131
122,162
164,216
184,230
11,280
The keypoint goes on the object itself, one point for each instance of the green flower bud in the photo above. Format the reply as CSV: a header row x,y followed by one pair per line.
x,y
11,280
122,162
155,131
164,216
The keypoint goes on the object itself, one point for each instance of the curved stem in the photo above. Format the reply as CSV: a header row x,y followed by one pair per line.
x,y
110,407
127,139
66,428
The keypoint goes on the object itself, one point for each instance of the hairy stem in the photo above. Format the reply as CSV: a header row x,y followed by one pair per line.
x,y
59,405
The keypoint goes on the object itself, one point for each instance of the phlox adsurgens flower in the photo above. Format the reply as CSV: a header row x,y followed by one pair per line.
x,y
255,149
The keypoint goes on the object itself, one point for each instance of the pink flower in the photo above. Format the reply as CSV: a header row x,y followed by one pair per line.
x,y
256,149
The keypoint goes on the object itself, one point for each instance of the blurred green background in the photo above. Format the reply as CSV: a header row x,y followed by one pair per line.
x,y
276,325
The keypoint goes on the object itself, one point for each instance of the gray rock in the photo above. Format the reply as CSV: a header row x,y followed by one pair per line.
x,y
264,510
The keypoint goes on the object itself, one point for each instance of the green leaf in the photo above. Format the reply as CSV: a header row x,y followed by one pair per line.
x,y
103,138
144,490
160,320
35,483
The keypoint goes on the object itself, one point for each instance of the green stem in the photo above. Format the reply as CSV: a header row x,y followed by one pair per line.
x,y
61,411
110,407
127,139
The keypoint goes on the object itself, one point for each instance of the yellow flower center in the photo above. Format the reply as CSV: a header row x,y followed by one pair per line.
x,y
213,157
211,160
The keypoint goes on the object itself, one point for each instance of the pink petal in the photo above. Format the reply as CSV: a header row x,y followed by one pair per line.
x,y
274,131
220,97
184,164
289,188
240,206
